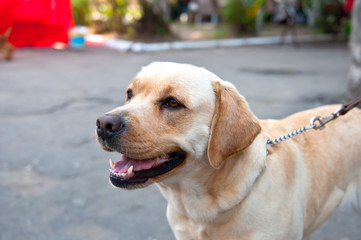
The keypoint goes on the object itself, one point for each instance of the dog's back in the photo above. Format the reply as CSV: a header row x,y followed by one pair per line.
x,y
330,159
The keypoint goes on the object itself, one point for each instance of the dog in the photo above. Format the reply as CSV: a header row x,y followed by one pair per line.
x,y
194,135
6,46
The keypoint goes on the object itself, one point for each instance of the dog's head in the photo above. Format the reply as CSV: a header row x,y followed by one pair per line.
x,y
175,114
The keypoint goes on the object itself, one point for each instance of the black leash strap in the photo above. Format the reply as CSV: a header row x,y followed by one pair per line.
x,y
347,107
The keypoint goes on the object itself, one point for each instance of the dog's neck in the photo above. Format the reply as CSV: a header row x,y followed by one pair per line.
x,y
199,196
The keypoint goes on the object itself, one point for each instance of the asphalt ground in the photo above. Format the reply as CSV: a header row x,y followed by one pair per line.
x,y
54,177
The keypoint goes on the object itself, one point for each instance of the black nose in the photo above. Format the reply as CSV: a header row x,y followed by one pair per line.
x,y
109,125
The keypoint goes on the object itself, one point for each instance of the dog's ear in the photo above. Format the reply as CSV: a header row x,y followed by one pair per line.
x,y
234,126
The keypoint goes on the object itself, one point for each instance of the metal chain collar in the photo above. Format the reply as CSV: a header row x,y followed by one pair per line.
x,y
322,121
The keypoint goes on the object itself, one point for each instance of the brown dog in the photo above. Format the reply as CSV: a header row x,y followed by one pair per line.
x,y
6,46
190,132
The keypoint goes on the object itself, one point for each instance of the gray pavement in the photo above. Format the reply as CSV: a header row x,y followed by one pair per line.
x,y
53,176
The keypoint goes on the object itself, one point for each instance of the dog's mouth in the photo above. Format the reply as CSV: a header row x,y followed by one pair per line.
x,y
129,172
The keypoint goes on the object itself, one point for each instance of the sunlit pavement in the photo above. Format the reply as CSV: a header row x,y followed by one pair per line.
x,y
54,177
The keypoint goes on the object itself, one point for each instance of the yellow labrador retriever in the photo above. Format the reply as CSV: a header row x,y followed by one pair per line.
x,y
190,132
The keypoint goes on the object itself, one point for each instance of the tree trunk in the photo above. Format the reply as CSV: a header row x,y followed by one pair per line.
x,y
152,23
354,76
117,20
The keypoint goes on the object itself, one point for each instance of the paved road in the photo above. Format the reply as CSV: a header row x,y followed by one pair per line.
x,y
53,176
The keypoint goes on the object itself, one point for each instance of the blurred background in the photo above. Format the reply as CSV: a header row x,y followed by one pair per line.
x,y
46,22
63,63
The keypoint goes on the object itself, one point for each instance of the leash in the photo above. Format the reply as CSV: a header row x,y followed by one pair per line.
x,y
318,122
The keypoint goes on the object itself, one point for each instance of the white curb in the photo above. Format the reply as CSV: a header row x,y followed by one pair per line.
x,y
125,46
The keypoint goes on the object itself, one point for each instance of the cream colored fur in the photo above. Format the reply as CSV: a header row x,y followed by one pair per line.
x,y
228,187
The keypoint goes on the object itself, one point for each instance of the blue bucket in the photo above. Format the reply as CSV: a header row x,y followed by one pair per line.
x,y
77,42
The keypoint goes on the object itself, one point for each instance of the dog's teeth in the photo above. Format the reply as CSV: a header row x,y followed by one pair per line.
x,y
111,163
130,171
123,174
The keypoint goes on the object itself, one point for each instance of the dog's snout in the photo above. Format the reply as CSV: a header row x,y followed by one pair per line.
x,y
109,125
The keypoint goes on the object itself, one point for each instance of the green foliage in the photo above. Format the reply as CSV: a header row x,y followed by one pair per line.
x,y
81,12
151,23
332,17
308,3
242,14
348,28
121,17
113,12
222,32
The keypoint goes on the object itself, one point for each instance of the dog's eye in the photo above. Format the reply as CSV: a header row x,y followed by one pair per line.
x,y
129,94
172,103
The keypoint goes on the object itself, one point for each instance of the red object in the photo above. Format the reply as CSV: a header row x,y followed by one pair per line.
x,y
348,5
37,23
6,17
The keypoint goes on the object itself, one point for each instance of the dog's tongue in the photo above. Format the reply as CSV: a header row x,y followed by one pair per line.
x,y
124,163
